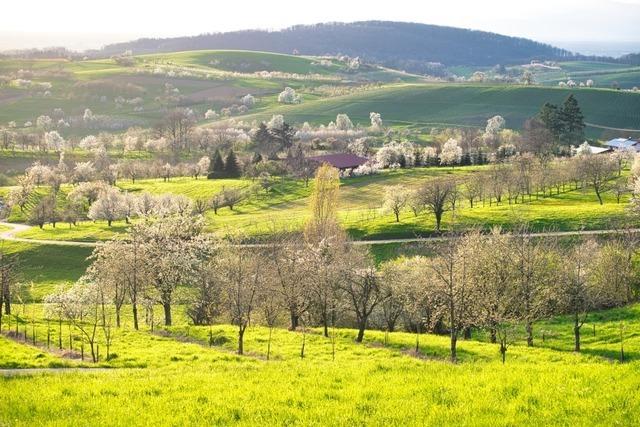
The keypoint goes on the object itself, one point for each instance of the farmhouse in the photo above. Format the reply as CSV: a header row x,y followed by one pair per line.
x,y
623,143
600,150
340,161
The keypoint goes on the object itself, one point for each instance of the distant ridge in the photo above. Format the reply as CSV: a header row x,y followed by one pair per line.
x,y
409,46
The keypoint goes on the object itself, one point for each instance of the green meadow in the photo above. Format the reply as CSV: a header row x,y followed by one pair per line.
x,y
180,376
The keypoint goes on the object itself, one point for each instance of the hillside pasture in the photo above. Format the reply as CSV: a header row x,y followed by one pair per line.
x,y
446,105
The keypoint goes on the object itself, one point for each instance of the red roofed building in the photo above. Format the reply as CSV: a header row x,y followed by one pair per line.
x,y
340,161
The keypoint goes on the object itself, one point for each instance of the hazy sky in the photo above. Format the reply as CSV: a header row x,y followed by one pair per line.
x,y
86,23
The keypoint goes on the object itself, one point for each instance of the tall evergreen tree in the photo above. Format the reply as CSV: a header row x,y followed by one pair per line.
x,y
284,136
572,122
216,165
550,116
231,166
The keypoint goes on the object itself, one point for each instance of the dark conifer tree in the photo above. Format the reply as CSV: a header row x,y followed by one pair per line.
x,y
572,122
231,166
216,166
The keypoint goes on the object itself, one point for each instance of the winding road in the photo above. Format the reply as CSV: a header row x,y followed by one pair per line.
x,y
15,228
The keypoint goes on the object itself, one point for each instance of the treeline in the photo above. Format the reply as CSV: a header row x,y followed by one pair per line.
x,y
522,179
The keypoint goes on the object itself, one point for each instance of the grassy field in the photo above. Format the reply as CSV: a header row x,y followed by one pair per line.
x,y
42,267
445,105
603,74
172,376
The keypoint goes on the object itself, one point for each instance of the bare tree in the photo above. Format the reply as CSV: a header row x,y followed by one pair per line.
x,y
361,286
596,170
289,271
240,271
453,289
395,199
435,196
575,290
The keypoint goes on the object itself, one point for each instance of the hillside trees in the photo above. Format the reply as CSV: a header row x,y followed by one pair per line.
x,y
565,122
534,264
176,128
288,263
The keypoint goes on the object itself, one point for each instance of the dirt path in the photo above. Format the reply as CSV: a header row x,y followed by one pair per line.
x,y
17,228
593,125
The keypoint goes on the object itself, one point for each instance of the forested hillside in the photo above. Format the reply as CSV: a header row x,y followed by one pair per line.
x,y
400,45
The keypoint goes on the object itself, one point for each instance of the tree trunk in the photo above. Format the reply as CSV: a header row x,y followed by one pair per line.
x,y
529,327
454,350
240,340
493,336
294,320
325,325
135,315
118,316
438,220
503,351
7,301
361,328
599,196
167,313
576,333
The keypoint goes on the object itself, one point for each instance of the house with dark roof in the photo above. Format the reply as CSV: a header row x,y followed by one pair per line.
x,y
623,143
341,161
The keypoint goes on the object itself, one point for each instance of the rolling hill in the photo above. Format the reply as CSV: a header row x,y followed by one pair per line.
x,y
410,46
443,105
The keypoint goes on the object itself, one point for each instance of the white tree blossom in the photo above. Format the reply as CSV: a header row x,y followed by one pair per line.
x,y
210,114
376,122
343,122
44,122
289,96
88,116
584,149
276,122
451,153
84,172
90,142
109,206
248,100
54,141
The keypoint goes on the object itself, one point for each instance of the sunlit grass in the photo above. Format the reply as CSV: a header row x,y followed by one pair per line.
x,y
175,375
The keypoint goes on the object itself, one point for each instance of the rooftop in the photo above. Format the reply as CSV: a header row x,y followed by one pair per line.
x,y
341,160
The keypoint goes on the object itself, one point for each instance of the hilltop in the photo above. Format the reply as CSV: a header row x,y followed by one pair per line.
x,y
409,46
